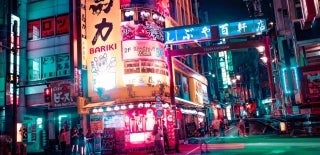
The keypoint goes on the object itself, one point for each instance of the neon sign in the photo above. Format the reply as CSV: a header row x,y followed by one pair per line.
x,y
203,32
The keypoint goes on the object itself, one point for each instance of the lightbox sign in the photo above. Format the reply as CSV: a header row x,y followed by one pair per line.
x,y
203,32
142,49
102,46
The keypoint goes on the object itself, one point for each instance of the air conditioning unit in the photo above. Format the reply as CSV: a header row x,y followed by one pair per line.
x,y
309,9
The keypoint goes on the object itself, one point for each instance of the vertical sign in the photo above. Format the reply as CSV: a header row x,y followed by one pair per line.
x,y
103,40
12,65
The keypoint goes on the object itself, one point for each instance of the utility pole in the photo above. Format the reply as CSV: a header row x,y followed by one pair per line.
x,y
267,44
14,83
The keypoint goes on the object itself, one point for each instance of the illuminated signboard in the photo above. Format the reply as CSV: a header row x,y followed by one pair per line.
x,y
161,6
147,31
139,3
102,45
142,49
203,32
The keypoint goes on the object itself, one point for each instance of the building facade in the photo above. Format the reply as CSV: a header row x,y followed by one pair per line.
x,y
106,67
297,59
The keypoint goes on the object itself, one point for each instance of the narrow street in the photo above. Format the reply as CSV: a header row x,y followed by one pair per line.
x,y
232,144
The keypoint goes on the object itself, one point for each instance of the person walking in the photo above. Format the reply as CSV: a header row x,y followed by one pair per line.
x,y
89,142
216,127
74,140
222,128
165,136
157,133
81,142
63,141
202,136
241,127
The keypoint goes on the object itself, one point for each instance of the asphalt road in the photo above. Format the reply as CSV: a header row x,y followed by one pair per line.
x,y
256,145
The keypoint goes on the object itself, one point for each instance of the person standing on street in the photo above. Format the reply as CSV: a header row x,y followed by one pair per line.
x,y
216,127
81,142
165,136
63,141
157,133
74,140
241,127
89,142
222,128
202,136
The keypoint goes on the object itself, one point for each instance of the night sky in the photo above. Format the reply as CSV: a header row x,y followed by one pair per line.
x,y
222,11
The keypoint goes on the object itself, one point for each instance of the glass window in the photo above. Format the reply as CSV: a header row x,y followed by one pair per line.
x,y
34,69
34,30
63,65
48,67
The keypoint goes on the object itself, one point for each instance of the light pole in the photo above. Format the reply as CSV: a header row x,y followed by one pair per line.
x,y
14,80
267,51
172,98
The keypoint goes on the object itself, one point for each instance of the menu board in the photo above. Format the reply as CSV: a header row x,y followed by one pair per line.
x,y
108,141
120,141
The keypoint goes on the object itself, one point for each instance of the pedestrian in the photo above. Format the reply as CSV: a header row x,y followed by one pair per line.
x,y
165,136
157,133
216,127
246,125
81,142
63,141
226,124
222,127
74,140
89,142
202,137
241,127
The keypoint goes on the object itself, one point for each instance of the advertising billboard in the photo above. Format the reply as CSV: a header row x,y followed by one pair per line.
x,y
142,49
147,30
103,45
162,6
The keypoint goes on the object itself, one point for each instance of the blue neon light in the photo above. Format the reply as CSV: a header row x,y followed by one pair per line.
x,y
203,32
286,84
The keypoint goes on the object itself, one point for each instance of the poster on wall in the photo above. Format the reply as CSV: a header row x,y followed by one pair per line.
x,y
113,121
96,123
185,88
139,120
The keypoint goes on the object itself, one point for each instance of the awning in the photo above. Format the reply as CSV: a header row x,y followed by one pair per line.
x,y
189,103
99,104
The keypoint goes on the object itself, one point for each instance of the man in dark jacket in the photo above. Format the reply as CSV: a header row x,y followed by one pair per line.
x,y
202,135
